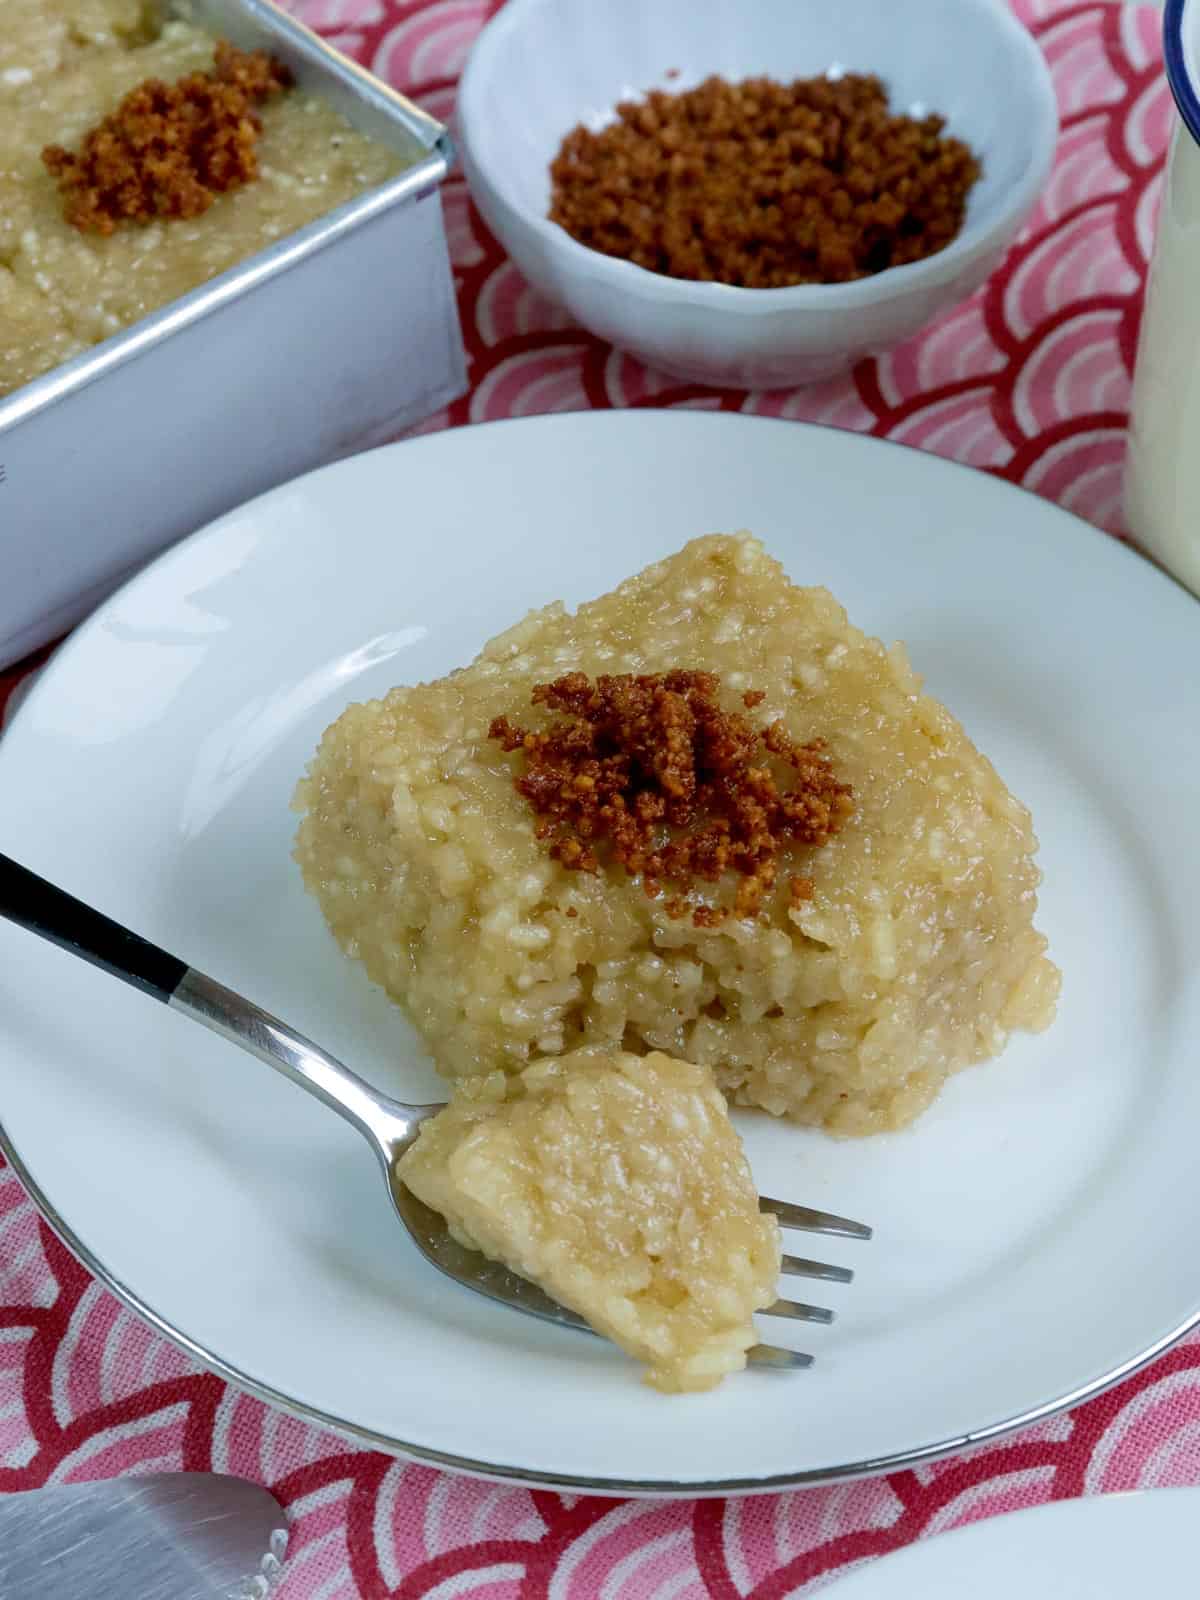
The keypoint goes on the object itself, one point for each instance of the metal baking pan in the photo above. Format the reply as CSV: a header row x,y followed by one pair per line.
x,y
331,340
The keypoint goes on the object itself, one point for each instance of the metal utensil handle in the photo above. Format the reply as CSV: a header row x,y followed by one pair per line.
x,y
40,906
379,1118
44,909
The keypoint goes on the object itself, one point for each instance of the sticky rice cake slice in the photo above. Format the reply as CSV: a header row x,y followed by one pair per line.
x,y
914,957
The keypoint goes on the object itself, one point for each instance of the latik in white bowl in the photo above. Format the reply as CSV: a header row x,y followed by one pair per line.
x,y
543,66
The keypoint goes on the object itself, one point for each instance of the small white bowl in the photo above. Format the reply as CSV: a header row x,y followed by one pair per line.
x,y
543,66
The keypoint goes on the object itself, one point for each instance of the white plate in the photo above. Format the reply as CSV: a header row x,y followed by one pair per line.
x,y
1106,1548
1034,1233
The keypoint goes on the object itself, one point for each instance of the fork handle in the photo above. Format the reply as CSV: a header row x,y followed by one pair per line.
x,y
45,909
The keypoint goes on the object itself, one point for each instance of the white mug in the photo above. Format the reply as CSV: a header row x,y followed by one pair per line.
x,y
1162,484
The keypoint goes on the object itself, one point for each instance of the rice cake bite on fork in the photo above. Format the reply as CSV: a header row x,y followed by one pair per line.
x,y
793,867
618,1184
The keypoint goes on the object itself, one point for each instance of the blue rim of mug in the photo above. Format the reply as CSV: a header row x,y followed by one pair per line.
x,y
1178,76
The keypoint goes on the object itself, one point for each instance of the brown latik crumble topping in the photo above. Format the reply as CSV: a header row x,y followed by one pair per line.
x,y
677,788
763,184
169,149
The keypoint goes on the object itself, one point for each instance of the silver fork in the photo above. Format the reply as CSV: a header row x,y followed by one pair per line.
x,y
389,1126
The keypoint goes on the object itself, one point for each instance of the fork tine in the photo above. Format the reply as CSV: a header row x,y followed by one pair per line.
x,y
797,1311
771,1358
802,1267
811,1221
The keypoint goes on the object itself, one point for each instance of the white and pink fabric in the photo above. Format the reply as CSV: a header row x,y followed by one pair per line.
x,y
1030,380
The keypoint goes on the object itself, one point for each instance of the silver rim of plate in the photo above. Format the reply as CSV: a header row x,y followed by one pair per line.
x,y
623,1486
633,1487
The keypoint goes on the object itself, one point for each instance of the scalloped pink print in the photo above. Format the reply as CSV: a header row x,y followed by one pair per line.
x,y
1028,379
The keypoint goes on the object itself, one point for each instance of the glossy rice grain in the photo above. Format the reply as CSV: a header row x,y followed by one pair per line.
x,y
915,956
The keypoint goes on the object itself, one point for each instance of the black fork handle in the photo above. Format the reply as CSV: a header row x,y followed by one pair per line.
x,y
44,909
34,903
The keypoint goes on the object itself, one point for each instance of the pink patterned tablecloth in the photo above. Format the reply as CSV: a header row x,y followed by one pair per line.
x,y
1029,380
